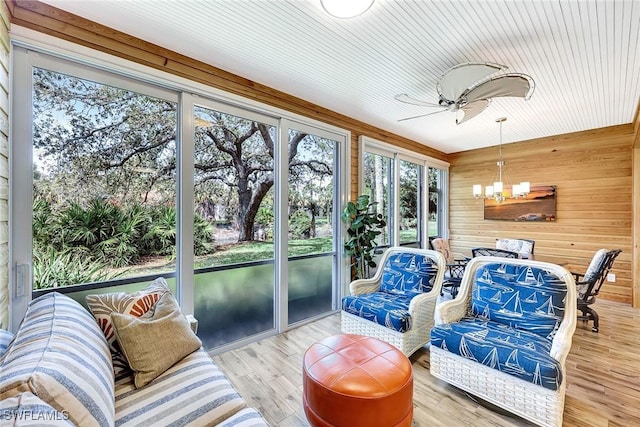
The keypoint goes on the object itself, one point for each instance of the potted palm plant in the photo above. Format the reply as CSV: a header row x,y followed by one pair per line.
x,y
364,225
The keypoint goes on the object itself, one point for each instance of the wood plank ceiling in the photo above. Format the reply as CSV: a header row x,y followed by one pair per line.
x,y
583,55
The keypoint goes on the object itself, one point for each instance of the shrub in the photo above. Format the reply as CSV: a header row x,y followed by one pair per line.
x,y
300,225
52,269
104,234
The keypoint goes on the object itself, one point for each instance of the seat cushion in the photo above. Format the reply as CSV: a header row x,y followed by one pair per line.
x,y
382,308
591,272
523,247
523,297
516,352
442,245
407,274
248,417
193,392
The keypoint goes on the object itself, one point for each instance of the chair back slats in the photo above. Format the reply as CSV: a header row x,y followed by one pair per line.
x,y
494,252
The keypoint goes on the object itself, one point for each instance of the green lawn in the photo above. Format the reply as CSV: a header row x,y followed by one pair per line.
x,y
255,251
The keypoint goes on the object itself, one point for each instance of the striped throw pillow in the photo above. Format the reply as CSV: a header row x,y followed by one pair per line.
x,y
61,356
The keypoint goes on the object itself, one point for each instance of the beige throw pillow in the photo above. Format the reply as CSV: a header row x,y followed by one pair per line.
x,y
136,304
156,342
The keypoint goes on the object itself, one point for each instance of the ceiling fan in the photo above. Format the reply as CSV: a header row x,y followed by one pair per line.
x,y
469,88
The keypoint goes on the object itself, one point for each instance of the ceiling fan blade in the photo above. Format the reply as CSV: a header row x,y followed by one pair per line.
x,y
413,101
513,84
456,80
422,115
472,109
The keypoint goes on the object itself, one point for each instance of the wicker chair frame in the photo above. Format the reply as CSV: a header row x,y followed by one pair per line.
x,y
537,404
421,308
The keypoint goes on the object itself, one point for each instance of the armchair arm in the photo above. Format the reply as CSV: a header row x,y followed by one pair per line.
x,y
419,301
450,311
364,286
561,343
456,309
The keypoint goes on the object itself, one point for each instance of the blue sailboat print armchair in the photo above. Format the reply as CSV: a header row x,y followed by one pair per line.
x,y
397,304
506,337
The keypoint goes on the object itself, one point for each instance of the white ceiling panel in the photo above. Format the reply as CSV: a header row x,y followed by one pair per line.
x,y
582,54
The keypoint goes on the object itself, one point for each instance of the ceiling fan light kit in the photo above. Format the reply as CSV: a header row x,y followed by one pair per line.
x,y
469,88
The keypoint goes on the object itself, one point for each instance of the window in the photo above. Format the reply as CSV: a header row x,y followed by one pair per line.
x,y
377,175
410,192
411,214
104,183
118,180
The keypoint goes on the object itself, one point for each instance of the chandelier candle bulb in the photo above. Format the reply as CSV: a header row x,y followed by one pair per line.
x,y
497,187
525,188
488,192
477,190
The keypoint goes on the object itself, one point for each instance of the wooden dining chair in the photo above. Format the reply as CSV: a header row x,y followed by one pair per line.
x,y
494,252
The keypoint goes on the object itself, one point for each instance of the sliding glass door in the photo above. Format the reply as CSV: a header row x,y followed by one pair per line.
x,y
313,250
116,181
234,177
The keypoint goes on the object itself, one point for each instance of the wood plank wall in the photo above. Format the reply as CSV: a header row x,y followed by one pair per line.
x,y
58,23
636,209
593,174
4,166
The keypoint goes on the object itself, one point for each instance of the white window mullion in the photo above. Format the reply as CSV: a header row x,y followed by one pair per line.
x,y
281,232
184,142
21,189
424,206
396,200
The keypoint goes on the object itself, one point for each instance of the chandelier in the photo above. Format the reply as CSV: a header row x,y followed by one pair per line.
x,y
499,191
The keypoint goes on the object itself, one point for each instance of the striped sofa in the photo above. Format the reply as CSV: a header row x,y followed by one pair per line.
x,y
57,370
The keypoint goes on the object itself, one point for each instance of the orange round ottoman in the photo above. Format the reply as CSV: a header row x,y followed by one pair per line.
x,y
352,381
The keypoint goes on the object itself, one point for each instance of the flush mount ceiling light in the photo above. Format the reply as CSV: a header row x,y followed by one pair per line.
x,y
346,8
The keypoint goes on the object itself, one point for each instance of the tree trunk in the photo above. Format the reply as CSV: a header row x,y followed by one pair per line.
x,y
248,205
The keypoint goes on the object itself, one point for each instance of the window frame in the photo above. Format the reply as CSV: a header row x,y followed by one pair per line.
x,y
373,146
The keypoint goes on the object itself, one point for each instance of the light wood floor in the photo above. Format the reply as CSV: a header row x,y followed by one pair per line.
x,y
603,377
